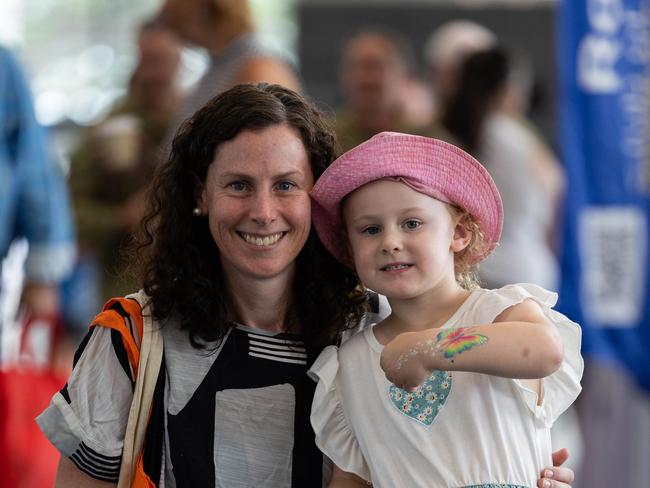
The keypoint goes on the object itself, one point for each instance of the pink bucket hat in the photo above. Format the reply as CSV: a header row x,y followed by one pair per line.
x,y
430,166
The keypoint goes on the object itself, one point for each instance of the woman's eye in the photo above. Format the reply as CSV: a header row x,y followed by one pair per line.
x,y
238,185
285,186
412,224
371,230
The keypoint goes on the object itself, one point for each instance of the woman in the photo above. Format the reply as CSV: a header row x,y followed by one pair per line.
x,y
486,116
228,243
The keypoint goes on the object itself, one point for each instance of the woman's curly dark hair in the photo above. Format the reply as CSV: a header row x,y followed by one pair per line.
x,y
179,260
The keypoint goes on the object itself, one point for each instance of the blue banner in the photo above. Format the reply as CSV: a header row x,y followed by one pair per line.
x,y
604,107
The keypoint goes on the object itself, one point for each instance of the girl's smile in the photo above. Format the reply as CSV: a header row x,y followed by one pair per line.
x,y
396,267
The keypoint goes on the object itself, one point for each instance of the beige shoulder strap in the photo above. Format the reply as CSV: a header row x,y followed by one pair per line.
x,y
151,350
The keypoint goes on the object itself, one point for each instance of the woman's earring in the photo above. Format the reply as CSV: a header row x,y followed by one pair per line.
x,y
197,212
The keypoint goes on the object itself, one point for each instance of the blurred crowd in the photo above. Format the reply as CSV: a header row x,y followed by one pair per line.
x,y
473,91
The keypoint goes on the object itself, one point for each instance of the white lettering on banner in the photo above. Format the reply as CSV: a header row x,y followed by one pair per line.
x,y
637,39
605,16
597,56
600,49
634,104
618,38
635,99
613,247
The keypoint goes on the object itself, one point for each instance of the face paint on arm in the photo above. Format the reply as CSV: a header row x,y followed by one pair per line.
x,y
449,343
456,341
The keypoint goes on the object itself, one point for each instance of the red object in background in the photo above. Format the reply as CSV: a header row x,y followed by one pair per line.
x,y
26,386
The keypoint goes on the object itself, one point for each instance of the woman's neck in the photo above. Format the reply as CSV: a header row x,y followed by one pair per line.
x,y
429,310
261,303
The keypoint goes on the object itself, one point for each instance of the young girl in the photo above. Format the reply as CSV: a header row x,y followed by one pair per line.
x,y
466,407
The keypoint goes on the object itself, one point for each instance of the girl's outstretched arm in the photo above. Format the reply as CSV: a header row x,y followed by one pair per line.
x,y
343,479
521,343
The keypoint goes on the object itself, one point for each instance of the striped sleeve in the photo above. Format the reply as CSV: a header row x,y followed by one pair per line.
x,y
95,464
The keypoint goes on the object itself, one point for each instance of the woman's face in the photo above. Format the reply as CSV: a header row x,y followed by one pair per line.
x,y
256,198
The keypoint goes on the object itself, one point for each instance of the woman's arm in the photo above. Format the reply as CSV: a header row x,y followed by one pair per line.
x,y
557,477
343,479
521,343
69,476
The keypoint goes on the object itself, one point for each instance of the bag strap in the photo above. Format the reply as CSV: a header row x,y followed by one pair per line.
x,y
111,318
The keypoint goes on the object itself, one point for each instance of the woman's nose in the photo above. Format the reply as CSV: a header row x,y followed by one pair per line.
x,y
263,210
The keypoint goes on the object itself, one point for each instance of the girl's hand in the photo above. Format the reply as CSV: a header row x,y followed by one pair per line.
x,y
404,362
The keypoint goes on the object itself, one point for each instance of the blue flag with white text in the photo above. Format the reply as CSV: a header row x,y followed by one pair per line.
x,y
604,54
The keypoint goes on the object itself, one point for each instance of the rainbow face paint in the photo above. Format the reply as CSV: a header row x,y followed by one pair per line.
x,y
449,342
455,341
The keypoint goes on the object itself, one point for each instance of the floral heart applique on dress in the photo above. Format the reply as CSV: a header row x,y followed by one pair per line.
x,y
425,403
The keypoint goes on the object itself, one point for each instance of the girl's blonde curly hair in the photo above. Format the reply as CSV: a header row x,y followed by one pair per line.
x,y
467,273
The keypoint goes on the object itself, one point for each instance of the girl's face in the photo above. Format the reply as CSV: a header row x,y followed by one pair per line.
x,y
402,241
256,198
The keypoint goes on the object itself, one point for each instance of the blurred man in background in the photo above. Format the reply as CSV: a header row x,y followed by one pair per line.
x,y
377,75
225,29
111,170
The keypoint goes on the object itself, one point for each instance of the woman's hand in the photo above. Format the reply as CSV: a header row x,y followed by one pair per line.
x,y
557,477
404,361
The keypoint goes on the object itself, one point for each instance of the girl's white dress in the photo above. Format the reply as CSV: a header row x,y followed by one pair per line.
x,y
458,429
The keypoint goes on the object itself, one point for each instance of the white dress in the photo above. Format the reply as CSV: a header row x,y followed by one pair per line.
x,y
459,429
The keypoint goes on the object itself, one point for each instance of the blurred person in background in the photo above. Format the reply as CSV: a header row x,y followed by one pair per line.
x,y
377,77
34,208
445,51
112,167
486,116
225,29
33,195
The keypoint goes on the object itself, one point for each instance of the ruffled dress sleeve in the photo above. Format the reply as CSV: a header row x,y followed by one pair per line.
x,y
334,436
560,389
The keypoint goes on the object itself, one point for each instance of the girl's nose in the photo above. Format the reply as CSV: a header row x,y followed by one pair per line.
x,y
390,243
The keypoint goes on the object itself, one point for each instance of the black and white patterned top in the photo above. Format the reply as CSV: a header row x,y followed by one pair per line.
x,y
237,416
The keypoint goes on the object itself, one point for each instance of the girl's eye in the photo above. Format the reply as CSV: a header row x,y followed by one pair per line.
x,y
285,186
238,186
412,224
371,230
